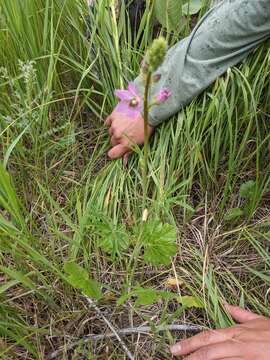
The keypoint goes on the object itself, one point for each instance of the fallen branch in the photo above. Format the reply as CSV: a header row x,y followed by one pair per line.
x,y
145,330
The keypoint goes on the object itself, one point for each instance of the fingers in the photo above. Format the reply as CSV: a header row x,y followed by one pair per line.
x,y
111,131
118,151
114,141
241,315
203,339
218,351
108,121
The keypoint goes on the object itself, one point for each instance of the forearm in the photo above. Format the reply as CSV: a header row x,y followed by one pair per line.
x,y
223,38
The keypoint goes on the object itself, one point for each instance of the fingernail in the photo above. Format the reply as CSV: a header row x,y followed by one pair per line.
x,y
175,349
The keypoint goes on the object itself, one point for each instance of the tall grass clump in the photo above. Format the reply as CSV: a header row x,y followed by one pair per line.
x,y
70,221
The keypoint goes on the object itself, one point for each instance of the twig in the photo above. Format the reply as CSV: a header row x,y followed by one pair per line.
x,y
146,330
109,324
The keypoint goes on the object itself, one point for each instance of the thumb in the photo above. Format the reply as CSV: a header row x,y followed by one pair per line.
x,y
118,151
240,315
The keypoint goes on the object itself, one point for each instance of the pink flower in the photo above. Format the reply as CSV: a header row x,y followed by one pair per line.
x,y
131,103
163,96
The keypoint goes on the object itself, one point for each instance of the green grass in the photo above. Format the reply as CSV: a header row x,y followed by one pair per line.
x,y
56,87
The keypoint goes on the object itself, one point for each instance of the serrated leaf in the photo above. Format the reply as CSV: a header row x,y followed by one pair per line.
x,y
159,241
247,189
192,7
168,13
190,301
146,296
92,289
79,279
123,299
114,238
234,214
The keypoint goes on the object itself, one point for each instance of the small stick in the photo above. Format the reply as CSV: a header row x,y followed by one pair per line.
x,y
146,330
109,324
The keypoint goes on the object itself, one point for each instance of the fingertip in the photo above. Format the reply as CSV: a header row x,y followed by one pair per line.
x,y
117,152
240,315
108,120
110,154
176,349
113,141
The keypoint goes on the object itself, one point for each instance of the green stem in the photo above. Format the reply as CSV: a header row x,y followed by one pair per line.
x,y
116,42
146,136
138,246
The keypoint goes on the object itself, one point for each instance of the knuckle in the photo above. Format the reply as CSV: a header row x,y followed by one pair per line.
x,y
239,332
125,142
203,353
117,134
206,337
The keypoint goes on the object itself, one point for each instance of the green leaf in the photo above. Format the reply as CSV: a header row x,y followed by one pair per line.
x,y
8,285
192,7
168,13
9,200
79,279
19,277
146,296
248,189
190,301
113,238
159,241
234,214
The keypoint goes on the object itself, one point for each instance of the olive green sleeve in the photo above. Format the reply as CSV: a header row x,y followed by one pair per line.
x,y
222,39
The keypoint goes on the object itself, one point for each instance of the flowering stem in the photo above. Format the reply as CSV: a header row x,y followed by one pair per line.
x,y
146,136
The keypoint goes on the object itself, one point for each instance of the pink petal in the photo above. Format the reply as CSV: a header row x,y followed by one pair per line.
x,y
133,90
124,95
129,111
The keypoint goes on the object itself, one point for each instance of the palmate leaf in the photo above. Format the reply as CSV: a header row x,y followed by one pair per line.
x,y
168,13
145,296
234,214
113,238
190,302
78,277
150,296
159,242
248,189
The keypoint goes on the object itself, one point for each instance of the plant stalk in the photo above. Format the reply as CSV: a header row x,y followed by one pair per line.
x,y
146,136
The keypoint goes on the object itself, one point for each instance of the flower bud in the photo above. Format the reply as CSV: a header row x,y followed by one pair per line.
x,y
163,96
156,78
156,54
145,215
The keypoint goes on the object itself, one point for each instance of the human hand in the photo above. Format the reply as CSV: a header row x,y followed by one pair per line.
x,y
250,340
125,132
